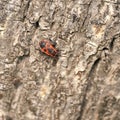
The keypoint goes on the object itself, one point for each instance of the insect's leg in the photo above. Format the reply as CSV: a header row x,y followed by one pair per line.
x,y
53,43
55,60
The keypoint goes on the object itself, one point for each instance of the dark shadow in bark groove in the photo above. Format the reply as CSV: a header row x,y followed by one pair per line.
x,y
113,41
90,77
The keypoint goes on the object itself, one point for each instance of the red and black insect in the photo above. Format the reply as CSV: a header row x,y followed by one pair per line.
x,y
48,47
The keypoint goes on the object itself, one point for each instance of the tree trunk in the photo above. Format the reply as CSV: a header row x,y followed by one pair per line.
x,y
83,83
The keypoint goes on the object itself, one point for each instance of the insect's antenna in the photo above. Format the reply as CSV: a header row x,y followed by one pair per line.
x,y
50,39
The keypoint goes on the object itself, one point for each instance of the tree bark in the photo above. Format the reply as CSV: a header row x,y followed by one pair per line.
x,y
83,84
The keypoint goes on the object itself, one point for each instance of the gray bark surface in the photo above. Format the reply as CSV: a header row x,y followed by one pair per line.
x,y
83,84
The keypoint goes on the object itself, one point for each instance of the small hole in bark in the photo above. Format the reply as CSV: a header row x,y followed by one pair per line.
x,y
1,96
36,24
8,118
17,83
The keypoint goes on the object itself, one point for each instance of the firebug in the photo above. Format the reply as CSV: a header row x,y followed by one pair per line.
x,y
48,47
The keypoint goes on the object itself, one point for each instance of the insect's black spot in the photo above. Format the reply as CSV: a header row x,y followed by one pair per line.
x,y
42,44
45,50
51,51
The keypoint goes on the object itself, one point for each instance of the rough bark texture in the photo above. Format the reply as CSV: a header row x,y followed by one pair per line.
x,y
84,84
